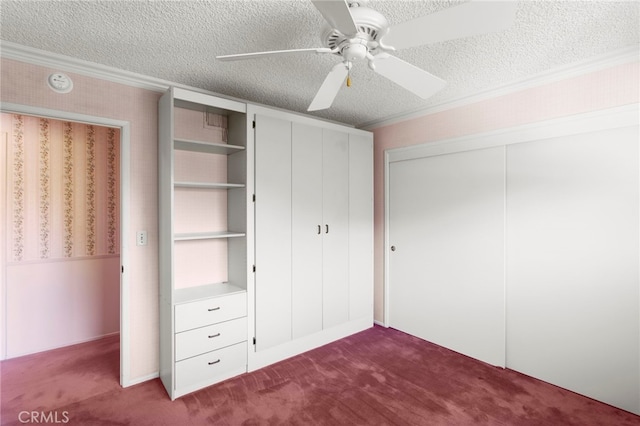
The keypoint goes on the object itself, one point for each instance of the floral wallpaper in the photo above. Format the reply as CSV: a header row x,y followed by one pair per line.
x,y
63,189
45,185
18,187
68,190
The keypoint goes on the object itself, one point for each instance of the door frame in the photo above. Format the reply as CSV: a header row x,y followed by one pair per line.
x,y
125,161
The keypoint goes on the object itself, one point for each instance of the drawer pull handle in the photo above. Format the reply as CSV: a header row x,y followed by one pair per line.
x,y
213,309
214,335
214,362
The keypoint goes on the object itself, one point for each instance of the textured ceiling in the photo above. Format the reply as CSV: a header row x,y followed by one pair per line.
x,y
178,40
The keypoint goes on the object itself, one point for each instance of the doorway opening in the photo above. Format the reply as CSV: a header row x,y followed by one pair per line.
x,y
64,192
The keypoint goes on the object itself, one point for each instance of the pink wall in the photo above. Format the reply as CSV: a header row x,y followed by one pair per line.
x,y
611,87
59,302
25,84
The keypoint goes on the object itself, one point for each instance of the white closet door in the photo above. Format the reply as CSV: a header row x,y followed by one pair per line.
x,y
307,229
335,228
446,274
573,261
360,227
272,231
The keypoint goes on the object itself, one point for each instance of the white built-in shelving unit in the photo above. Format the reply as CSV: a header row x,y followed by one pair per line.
x,y
203,240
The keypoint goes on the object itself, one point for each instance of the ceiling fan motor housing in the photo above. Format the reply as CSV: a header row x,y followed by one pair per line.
x,y
372,25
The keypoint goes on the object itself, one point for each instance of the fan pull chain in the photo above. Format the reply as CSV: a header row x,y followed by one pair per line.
x,y
348,76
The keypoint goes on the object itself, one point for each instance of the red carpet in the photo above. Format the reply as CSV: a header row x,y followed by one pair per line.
x,y
377,377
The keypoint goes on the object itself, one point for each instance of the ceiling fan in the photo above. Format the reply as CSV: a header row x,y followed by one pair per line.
x,y
356,32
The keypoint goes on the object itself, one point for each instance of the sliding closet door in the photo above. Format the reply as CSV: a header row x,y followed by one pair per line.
x,y
573,261
446,277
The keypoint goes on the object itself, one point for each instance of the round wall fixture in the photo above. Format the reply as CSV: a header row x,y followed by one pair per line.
x,y
59,82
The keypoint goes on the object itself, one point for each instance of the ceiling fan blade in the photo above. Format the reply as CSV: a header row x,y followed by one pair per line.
x,y
337,14
255,55
330,88
408,76
467,19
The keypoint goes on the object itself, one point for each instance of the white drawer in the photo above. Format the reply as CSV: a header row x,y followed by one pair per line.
x,y
205,339
208,367
210,311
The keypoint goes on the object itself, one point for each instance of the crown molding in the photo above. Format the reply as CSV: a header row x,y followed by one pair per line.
x,y
44,58
47,59
35,56
618,57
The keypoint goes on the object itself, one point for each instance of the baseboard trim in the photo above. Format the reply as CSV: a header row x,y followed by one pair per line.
x,y
292,348
380,323
73,343
142,379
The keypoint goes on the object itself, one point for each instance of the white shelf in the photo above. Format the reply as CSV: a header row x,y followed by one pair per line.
x,y
206,235
205,291
206,147
202,185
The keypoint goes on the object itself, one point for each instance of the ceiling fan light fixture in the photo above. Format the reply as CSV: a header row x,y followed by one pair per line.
x,y
354,51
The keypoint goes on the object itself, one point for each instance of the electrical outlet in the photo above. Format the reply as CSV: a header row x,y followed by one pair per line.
x,y
141,238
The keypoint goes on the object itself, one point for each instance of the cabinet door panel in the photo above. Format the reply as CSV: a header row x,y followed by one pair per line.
x,y
335,212
273,231
307,236
360,227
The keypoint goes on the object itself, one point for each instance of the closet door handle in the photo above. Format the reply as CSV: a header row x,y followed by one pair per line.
x,y
319,229
326,229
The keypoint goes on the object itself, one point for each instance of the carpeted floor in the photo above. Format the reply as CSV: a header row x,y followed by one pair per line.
x,y
377,377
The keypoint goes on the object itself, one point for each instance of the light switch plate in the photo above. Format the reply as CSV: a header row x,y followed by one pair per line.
x,y
141,238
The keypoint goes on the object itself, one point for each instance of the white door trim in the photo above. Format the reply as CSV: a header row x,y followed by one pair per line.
x,y
611,118
125,160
